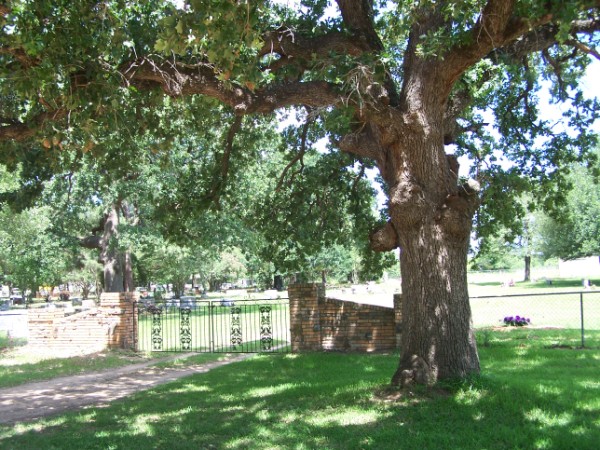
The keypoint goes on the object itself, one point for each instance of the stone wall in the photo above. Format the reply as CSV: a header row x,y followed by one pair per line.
x,y
320,323
111,325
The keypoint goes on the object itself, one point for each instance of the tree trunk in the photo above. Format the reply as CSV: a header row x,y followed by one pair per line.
x,y
109,254
117,266
437,338
278,282
431,220
214,284
85,291
527,268
128,273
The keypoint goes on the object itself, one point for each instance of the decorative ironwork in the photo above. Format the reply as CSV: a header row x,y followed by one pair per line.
x,y
266,328
248,326
185,330
157,338
236,326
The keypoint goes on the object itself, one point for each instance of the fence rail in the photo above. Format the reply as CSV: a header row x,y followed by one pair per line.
x,y
208,326
570,310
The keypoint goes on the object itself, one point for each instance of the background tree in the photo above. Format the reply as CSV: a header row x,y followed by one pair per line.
x,y
394,83
508,248
85,277
31,254
575,232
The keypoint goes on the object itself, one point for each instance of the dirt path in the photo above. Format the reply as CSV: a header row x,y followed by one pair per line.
x,y
35,400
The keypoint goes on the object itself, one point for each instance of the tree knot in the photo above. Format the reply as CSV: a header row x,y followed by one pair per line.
x,y
418,372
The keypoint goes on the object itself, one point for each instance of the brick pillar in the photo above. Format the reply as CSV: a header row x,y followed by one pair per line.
x,y
398,318
121,305
304,316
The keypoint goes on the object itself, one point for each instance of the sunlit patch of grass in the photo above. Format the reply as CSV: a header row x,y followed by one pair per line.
x,y
545,389
547,419
344,417
528,396
470,396
36,427
589,404
144,424
542,443
272,390
189,388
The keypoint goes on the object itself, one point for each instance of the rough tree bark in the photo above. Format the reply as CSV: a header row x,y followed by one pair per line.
x,y
431,217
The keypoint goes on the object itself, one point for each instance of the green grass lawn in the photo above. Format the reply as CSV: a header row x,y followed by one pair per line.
x,y
536,391
494,285
19,367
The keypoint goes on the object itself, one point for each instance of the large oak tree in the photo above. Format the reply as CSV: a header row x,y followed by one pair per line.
x,y
394,84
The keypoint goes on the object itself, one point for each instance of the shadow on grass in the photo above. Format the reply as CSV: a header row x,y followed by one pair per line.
x,y
529,397
19,368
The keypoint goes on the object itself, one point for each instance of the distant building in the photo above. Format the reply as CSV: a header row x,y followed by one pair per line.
x,y
580,268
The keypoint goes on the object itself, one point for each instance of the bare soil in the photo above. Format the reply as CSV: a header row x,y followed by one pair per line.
x,y
41,399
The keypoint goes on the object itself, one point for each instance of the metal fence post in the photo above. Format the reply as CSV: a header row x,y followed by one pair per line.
x,y
211,326
582,326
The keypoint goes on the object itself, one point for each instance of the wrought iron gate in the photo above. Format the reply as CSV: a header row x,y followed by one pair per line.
x,y
190,325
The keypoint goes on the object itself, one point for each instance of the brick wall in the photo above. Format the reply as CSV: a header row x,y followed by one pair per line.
x,y
110,325
320,323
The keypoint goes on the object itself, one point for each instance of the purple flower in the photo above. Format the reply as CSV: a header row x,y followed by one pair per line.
x,y
516,321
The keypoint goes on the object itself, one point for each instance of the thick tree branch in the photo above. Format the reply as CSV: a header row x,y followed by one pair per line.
x,y
91,242
496,27
358,17
544,37
233,130
20,55
21,131
499,32
181,79
363,143
17,53
584,48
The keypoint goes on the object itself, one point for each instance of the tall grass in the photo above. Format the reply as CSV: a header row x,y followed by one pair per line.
x,y
535,392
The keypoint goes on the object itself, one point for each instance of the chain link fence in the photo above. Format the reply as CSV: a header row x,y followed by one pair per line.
x,y
560,310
